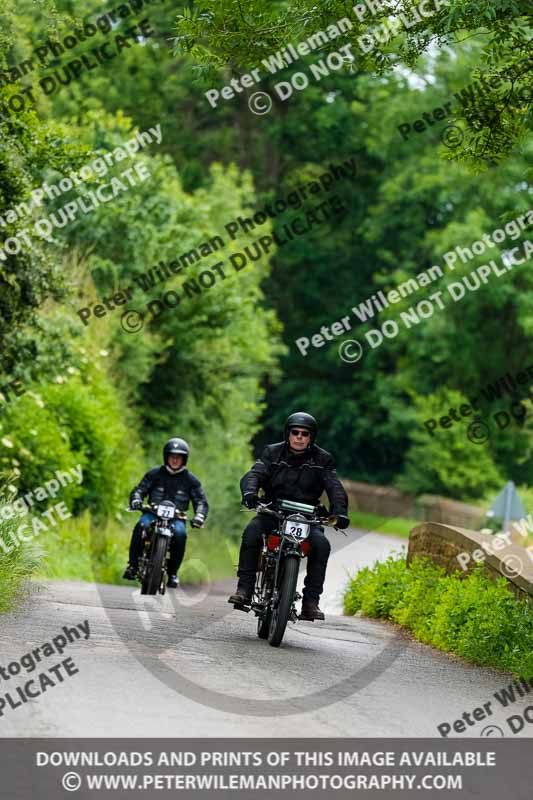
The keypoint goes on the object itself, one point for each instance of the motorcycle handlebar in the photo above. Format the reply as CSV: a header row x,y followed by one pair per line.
x,y
313,521
151,510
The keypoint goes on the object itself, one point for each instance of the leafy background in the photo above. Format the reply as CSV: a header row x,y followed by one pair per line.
x,y
222,369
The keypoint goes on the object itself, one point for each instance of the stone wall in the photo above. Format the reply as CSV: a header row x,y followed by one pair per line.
x,y
389,502
443,543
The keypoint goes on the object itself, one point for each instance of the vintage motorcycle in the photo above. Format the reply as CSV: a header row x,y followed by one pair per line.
x,y
275,596
152,563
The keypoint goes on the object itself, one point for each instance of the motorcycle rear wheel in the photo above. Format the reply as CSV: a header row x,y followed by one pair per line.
x,y
287,589
152,581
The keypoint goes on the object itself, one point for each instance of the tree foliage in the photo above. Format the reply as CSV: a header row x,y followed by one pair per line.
x,y
221,368
224,35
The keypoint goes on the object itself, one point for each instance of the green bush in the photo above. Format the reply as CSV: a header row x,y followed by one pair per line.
x,y
474,617
375,592
422,585
446,462
78,419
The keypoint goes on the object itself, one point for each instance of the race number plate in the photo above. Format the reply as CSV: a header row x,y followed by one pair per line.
x,y
165,512
298,530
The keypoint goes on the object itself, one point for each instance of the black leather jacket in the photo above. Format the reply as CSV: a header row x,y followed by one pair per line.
x,y
159,484
297,476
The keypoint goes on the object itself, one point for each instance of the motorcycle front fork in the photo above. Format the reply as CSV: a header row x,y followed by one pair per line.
x,y
259,605
144,560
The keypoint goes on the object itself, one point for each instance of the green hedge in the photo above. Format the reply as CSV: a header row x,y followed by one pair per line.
x,y
81,420
474,617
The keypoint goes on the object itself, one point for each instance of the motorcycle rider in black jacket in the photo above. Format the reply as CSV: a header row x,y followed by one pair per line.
x,y
295,469
172,481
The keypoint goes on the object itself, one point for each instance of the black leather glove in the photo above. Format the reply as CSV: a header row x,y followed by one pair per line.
x,y
342,522
198,521
250,500
136,504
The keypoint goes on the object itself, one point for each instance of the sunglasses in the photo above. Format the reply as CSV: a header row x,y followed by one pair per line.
x,y
296,432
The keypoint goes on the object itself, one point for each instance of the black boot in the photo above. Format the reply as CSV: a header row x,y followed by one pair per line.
x,y
131,572
311,611
241,599
173,582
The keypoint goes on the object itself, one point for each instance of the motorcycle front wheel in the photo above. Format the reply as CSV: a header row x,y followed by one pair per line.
x,y
264,591
263,625
287,589
154,572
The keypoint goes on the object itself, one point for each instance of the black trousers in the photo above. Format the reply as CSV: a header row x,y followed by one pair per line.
x,y
252,540
176,546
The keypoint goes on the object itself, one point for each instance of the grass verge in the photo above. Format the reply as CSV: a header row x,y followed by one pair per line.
x,y
81,549
395,526
473,617
18,562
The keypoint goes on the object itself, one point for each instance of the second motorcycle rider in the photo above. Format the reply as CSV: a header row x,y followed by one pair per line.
x,y
172,481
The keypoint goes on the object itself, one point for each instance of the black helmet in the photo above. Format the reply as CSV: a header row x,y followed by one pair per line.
x,y
301,420
176,447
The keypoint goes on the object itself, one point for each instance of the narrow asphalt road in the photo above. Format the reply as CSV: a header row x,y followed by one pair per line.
x,y
187,665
